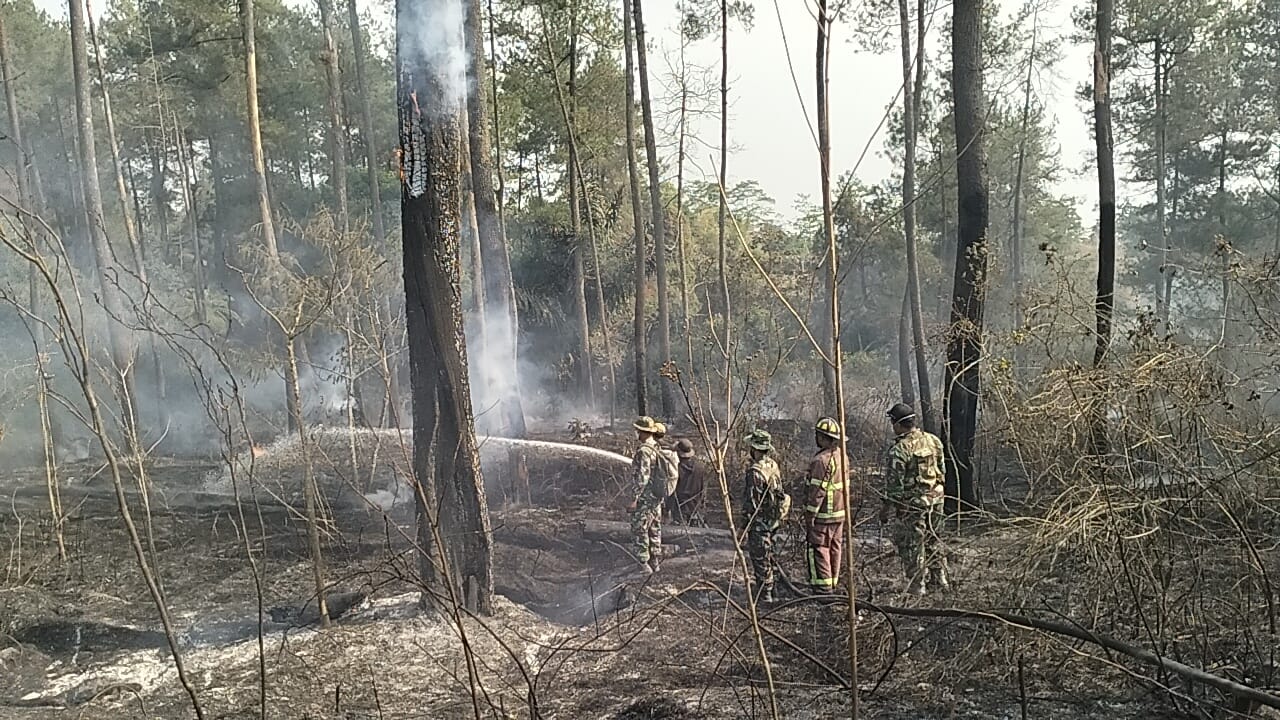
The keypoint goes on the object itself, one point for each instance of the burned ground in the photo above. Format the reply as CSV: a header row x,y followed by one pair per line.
x,y
577,633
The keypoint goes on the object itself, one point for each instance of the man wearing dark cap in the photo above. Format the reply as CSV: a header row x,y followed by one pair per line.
x,y
685,505
914,495
764,504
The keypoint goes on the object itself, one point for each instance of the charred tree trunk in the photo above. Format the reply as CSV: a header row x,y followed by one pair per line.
x,y
911,90
637,216
968,296
666,387
453,515
337,128
503,322
247,30
1105,303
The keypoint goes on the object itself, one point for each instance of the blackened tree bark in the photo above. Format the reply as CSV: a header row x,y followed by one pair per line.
x,y
637,216
453,515
666,387
503,322
968,296
108,272
1105,303
337,127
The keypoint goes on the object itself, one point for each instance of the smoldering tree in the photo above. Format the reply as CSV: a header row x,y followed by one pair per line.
x,y
454,536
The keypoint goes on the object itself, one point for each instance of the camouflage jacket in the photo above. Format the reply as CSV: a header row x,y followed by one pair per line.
x,y
762,499
641,471
914,476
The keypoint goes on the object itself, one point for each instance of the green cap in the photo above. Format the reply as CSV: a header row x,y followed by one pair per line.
x,y
760,440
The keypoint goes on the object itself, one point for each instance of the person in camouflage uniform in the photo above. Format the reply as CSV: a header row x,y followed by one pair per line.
x,y
646,507
914,495
762,507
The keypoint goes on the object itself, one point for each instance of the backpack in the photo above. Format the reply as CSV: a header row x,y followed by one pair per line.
x,y
665,473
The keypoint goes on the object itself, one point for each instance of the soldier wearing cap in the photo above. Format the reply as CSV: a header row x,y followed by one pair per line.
x,y
645,507
914,495
824,507
763,506
685,505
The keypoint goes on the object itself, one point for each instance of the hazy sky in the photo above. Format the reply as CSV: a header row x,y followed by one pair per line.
x,y
770,137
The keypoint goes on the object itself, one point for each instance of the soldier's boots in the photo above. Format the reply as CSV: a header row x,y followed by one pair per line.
x,y
654,565
763,594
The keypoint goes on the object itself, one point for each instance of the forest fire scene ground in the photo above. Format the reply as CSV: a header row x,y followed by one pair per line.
x,y
598,359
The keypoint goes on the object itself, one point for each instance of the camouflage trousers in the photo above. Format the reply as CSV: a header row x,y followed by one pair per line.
x,y
646,533
760,550
921,552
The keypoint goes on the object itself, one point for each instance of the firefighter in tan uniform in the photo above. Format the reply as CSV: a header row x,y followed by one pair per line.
x,y
824,508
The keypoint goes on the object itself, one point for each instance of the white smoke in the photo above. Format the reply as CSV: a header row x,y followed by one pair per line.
x,y
431,31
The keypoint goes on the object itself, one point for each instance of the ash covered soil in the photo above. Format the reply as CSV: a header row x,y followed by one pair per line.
x,y
576,631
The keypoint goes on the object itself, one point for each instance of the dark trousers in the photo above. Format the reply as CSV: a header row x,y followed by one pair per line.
x,y
826,546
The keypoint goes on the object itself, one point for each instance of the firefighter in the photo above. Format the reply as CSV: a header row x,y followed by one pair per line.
x,y
764,506
646,504
914,495
824,508
685,506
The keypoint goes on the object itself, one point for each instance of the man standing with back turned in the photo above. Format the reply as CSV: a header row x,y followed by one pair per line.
x,y
646,505
824,508
914,493
763,508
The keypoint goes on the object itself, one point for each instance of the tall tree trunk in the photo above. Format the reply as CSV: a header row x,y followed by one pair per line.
x,y
1105,303
478,338
911,89
905,381
1019,191
247,29
637,217
1162,225
366,124
685,306
121,352
666,388
26,196
193,227
337,127
499,292
823,82
1224,245
453,514
1104,306
131,232
159,186
585,355
726,303
964,342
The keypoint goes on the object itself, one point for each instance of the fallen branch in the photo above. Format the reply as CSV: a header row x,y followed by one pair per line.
x,y
1232,688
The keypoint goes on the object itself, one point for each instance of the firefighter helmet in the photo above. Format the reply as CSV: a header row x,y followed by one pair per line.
x,y
830,428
